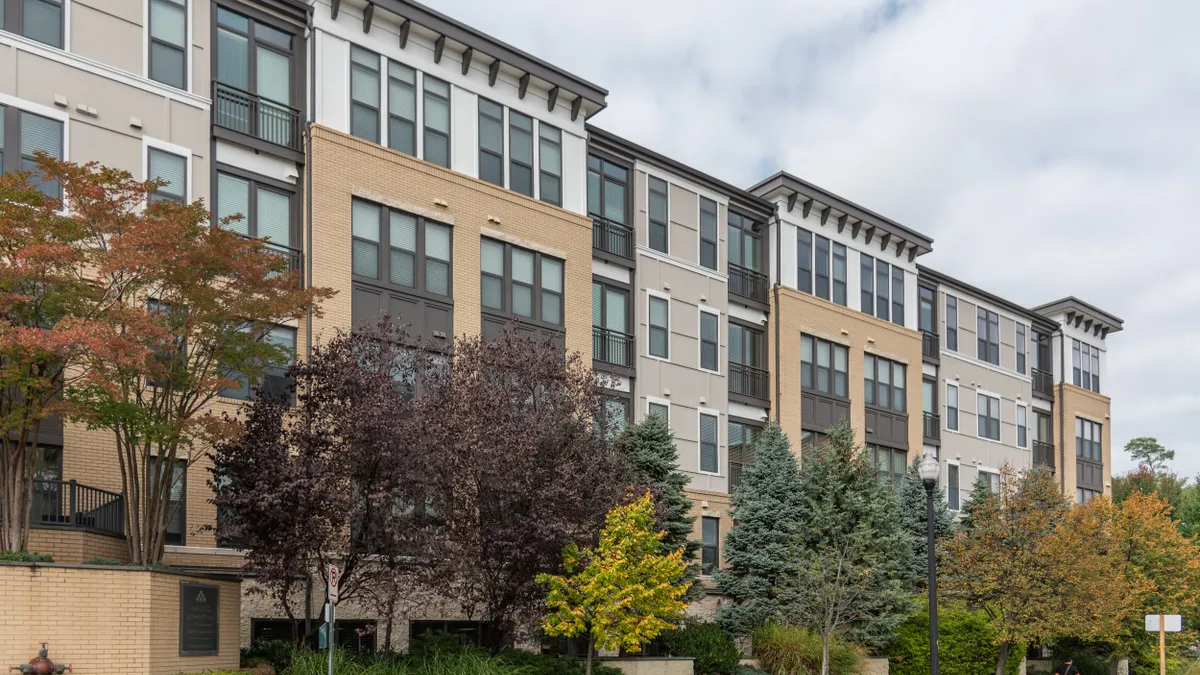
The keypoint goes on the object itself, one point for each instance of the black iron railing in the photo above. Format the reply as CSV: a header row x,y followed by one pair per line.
x,y
612,237
1043,382
614,347
253,115
748,381
1043,454
929,344
931,425
70,505
748,283
294,257
735,474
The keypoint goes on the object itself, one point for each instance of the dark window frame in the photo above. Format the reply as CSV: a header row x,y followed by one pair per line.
x,y
538,289
710,552
651,327
874,387
951,323
897,295
13,154
1089,441
953,487
715,345
625,400
152,41
839,278
602,161
245,391
1085,365
709,246
984,427
253,44
180,538
394,121
883,276
498,119
653,191
897,463
376,109
747,229
260,182
543,174
804,261
515,130
813,367
926,298
609,285
426,94
987,336
1022,348
383,256
741,357
14,15
715,443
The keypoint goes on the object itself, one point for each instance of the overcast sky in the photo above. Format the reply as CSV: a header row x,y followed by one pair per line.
x,y
1048,148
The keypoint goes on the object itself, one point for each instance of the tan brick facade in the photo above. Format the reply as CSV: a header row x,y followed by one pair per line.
x,y
76,546
1075,402
800,313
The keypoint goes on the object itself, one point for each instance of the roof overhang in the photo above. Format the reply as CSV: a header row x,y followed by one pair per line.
x,y
940,279
807,198
1082,315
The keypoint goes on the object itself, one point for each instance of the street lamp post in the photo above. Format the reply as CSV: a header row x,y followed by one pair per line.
x,y
929,470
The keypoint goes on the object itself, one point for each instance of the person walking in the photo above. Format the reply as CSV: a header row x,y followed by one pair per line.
x,y
1067,668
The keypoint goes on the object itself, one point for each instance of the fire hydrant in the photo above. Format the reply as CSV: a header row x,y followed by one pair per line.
x,y
41,665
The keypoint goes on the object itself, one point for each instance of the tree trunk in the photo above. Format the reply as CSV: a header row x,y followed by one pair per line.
x,y
825,639
1002,660
591,646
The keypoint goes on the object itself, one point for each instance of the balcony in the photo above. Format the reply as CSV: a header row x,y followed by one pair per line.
x,y
1043,455
70,505
929,345
294,257
748,283
250,114
612,347
931,426
748,381
1043,382
735,474
612,237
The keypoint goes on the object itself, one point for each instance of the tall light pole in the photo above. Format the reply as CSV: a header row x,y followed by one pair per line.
x,y
929,470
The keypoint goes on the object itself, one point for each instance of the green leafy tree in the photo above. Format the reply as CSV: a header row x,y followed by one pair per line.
x,y
852,555
981,497
913,517
764,508
649,446
1188,511
1147,450
622,593
1145,480
714,650
966,644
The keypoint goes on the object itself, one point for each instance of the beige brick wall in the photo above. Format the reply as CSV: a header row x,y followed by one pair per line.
x,y
75,546
1078,402
105,620
799,313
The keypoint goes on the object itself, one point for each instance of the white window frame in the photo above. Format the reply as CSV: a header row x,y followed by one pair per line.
x,y
991,472
700,339
958,408
657,401
1021,407
179,150
999,414
52,113
650,293
700,412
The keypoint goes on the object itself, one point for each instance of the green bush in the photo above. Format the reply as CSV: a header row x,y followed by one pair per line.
x,y
99,560
25,557
462,662
276,653
794,650
532,663
432,643
965,645
713,649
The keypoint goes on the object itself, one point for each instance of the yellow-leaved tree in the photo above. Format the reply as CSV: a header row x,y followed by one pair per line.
x,y
623,592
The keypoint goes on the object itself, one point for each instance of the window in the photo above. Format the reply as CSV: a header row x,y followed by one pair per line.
x,y
952,407
882,306
491,142
364,94
709,551
885,383
616,411
660,327
952,495
610,325
176,500
746,346
40,20
1086,365
821,267
810,441
1088,440
255,58
951,323
168,37
658,214
1021,347
521,282
929,397
741,438
988,337
171,358
824,366
607,185
663,410
745,247
550,163
437,121
1022,426
710,335
890,465
708,233
992,480
897,295
274,379
709,459
400,249
402,108
988,414
520,146
926,317
839,274
30,133
867,284
169,167
265,211
804,257
1084,495
880,283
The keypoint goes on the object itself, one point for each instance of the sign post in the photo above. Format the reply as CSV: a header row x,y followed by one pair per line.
x,y
1163,623
334,575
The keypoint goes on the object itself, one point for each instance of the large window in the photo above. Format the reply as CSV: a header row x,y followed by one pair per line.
x,y
1022,426
708,233
168,37
710,341
951,323
364,94
402,108
897,295
168,167
274,380
927,312
610,325
437,121
952,487
710,555
988,336
1085,367
607,189
745,246
952,407
658,214
1088,440
884,383
992,480
21,135
988,415
890,465
521,282
746,346
40,20
520,145
266,211
660,327
400,249
821,267
1084,495
882,293
176,501
824,366
663,410
709,455
550,163
1022,346
491,142
255,58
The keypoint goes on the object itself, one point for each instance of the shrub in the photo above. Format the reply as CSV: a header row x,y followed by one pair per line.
x,y
965,645
99,560
532,663
275,653
713,649
25,557
462,662
794,650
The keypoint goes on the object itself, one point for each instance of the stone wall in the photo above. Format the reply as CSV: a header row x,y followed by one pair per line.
x,y
648,666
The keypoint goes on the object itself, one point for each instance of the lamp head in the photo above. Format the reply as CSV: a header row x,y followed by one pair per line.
x,y
929,469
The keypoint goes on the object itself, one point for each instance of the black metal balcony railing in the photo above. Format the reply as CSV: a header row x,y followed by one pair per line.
x,y
748,283
929,344
256,116
931,426
1043,454
612,237
294,257
748,381
70,505
735,474
614,347
1043,382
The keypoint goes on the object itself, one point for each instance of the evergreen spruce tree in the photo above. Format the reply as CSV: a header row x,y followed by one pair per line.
x,y
980,493
852,554
765,510
650,447
913,516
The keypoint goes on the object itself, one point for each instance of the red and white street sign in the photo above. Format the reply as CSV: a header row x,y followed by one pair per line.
x,y
334,574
